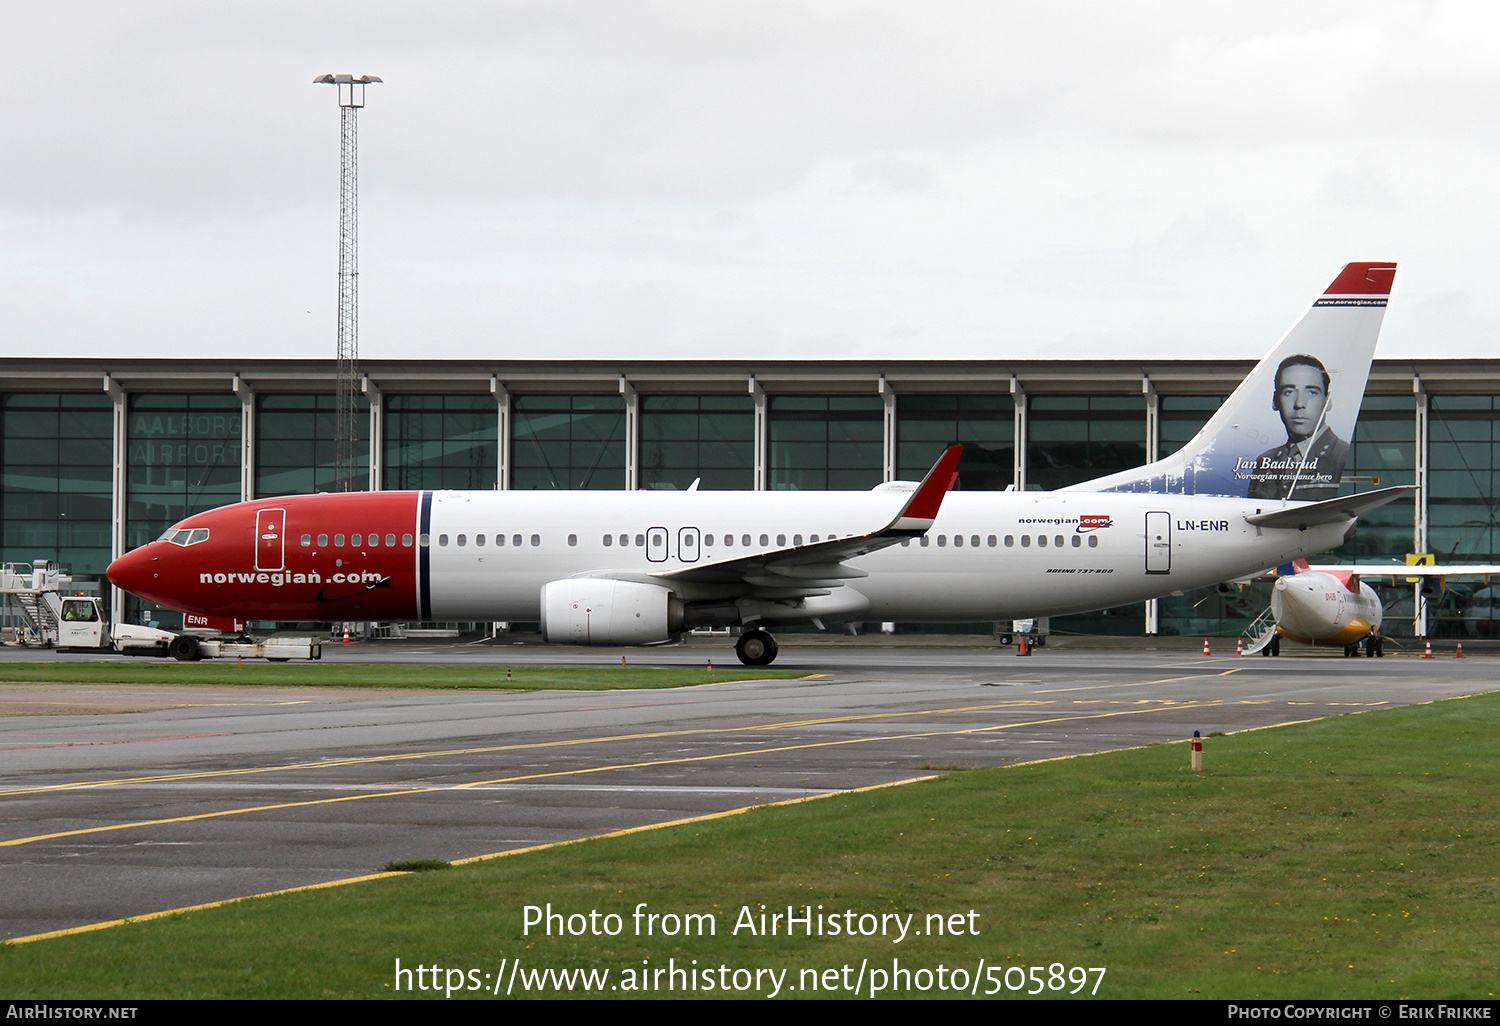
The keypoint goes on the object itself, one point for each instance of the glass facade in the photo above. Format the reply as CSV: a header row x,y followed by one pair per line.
x,y
1076,438
183,449
56,470
568,441
984,424
1463,443
707,437
826,443
182,456
1180,417
1384,453
294,445
441,441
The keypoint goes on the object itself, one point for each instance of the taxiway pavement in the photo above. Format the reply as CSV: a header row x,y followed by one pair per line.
x,y
213,793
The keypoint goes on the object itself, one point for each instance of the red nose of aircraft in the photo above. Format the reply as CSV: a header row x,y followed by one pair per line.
x,y
135,571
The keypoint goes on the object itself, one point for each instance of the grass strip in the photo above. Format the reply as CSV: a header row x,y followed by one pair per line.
x,y
1350,857
347,675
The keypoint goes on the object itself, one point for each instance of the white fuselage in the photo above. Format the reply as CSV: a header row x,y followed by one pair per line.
x,y
1320,608
989,555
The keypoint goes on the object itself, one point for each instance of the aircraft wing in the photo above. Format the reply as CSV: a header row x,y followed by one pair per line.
x,y
1345,507
1395,570
803,571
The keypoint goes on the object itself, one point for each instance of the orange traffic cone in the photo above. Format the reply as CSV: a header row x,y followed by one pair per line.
x,y
1239,646
346,634
1021,649
1205,647
1428,653
1460,653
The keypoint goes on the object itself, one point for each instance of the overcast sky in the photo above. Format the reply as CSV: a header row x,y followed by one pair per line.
x,y
742,178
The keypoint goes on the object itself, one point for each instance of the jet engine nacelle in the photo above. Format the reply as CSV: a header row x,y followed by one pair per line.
x,y
600,611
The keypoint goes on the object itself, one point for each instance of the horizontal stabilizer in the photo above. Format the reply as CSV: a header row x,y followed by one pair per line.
x,y
1330,511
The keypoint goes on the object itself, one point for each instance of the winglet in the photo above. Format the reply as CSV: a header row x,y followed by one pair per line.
x,y
922,508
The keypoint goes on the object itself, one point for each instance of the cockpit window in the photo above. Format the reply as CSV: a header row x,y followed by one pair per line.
x,y
179,536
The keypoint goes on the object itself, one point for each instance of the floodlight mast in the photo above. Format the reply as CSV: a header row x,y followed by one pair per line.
x,y
346,433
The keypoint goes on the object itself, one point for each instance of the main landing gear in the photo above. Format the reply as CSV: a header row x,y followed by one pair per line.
x,y
756,648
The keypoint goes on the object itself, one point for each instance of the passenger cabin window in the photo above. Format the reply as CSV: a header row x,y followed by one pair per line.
x,y
536,540
500,541
463,540
609,540
338,541
1025,541
1093,541
572,539
515,540
307,541
442,539
479,540
406,540
357,540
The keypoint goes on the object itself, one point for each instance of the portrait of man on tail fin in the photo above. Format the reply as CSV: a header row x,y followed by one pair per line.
x,y
1309,465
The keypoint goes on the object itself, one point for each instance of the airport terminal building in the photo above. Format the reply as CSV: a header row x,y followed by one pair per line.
x,y
101,455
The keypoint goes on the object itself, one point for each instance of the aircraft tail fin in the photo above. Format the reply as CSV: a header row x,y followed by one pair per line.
x,y
1284,432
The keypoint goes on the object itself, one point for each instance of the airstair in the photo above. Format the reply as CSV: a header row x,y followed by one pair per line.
x,y
21,588
1260,632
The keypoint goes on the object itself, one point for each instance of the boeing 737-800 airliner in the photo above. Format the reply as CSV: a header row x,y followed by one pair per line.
x,y
637,568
